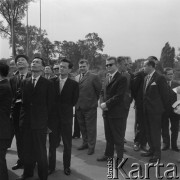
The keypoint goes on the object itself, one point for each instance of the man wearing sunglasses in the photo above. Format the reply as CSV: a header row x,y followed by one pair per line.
x,y
114,112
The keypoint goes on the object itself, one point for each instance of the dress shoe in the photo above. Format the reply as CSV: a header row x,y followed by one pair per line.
x,y
146,154
175,149
51,171
136,147
165,147
24,177
102,158
154,159
17,166
67,171
85,146
90,151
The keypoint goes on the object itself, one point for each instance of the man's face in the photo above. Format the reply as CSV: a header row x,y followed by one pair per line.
x,y
169,75
129,64
147,68
83,68
64,68
47,70
111,66
36,65
12,66
56,69
21,63
123,66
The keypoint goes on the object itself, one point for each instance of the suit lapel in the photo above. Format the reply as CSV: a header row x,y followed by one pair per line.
x,y
113,79
65,86
57,88
150,82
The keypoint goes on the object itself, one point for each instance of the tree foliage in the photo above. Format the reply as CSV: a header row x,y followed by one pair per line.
x,y
167,56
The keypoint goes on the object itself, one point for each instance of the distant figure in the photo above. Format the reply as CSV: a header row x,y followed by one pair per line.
x,y
56,70
5,127
12,68
86,107
47,72
171,117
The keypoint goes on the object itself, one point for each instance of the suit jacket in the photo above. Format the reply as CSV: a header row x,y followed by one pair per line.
x,y
65,100
137,88
113,94
5,109
173,95
37,103
128,96
15,82
156,95
89,91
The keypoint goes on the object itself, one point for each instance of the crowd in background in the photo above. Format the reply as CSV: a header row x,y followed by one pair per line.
x,y
37,100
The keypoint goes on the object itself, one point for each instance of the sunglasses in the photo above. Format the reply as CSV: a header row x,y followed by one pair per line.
x,y
109,65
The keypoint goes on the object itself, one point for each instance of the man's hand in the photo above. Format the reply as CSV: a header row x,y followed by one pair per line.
x,y
104,107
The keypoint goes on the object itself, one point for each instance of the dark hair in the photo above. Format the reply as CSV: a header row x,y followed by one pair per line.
x,y
70,65
42,60
21,56
151,63
4,69
121,59
152,58
112,58
168,69
82,61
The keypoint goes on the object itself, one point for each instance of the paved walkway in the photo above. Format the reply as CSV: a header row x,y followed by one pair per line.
x,y
85,167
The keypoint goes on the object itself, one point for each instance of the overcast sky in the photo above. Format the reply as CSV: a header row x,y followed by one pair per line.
x,y
136,28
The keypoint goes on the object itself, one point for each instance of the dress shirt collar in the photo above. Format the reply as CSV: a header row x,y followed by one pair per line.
x,y
112,75
150,75
64,80
24,75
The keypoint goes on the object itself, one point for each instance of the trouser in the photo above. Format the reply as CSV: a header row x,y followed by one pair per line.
x,y
52,149
153,132
18,132
76,127
66,132
140,133
174,120
114,133
88,126
35,151
4,144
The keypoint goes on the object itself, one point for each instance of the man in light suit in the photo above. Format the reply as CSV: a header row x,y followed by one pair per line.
x,y
113,104
5,125
155,102
36,112
86,107
66,96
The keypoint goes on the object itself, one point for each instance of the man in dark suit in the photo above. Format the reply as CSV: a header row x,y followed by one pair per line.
x,y
173,117
16,86
66,96
37,101
86,107
155,102
114,110
137,93
5,126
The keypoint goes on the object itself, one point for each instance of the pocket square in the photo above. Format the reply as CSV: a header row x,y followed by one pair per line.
x,y
153,84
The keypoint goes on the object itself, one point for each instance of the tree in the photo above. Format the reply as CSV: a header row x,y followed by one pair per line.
x,y
90,47
167,56
13,11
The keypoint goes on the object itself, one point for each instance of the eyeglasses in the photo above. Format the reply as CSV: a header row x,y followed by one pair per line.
x,y
109,65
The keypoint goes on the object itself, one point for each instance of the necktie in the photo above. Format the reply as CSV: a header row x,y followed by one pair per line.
x,y
33,82
147,81
110,78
